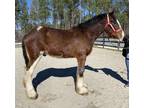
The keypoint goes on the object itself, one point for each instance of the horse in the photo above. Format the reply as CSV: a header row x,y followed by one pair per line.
x,y
76,42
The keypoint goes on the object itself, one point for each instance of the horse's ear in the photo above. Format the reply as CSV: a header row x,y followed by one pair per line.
x,y
111,11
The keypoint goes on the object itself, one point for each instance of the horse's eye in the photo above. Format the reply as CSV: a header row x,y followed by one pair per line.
x,y
114,23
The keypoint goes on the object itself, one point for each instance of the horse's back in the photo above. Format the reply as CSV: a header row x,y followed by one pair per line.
x,y
56,42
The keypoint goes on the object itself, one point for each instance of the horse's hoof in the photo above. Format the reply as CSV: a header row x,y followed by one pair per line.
x,y
82,90
32,94
34,97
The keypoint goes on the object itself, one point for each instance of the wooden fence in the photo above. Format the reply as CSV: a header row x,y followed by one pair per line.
x,y
105,42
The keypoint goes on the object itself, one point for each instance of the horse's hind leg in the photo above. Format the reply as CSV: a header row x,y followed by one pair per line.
x,y
81,87
31,93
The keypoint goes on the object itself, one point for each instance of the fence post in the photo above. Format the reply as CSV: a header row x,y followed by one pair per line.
x,y
118,45
103,40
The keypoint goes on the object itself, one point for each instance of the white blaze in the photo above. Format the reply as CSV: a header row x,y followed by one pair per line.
x,y
118,23
108,18
122,35
122,30
39,27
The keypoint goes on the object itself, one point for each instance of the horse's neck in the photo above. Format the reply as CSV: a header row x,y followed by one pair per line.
x,y
94,32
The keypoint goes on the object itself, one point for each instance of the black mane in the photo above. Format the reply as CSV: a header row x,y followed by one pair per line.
x,y
92,21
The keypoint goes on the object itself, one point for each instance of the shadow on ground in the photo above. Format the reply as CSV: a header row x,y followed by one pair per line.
x,y
71,72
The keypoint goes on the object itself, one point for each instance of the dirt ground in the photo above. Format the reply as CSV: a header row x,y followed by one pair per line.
x,y
105,75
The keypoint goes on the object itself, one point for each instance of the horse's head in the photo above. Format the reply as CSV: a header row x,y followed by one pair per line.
x,y
112,26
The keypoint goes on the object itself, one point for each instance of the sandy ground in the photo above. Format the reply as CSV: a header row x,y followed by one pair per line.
x,y
105,75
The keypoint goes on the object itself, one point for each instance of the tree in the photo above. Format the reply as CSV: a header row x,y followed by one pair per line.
x,y
24,17
43,11
34,12
17,13
65,13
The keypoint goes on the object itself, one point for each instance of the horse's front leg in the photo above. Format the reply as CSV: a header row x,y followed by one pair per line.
x,y
81,87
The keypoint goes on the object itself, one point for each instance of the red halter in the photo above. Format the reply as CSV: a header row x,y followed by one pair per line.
x,y
109,24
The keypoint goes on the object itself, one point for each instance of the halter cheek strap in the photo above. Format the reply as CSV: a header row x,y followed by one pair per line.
x,y
112,27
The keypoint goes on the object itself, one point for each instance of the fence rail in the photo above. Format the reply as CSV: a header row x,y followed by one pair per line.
x,y
18,45
105,42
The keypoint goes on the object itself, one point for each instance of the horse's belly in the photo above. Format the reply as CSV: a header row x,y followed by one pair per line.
x,y
56,54
58,51
61,55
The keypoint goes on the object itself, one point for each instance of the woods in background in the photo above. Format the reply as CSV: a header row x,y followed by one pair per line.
x,y
64,14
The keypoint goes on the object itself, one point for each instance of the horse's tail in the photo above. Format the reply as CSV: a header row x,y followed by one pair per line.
x,y
25,54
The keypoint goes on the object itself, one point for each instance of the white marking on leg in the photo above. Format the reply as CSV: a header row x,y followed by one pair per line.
x,y
39,27
79,81
81,86
27,53
28,79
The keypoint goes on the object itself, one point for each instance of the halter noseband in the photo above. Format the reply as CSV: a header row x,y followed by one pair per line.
x,y
112,27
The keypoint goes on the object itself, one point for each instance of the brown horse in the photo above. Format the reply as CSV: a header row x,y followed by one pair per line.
x,y
76,42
